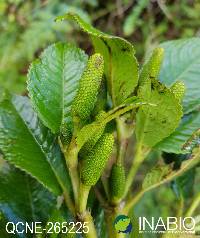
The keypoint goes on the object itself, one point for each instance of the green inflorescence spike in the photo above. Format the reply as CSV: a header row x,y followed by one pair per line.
x,y
85,98
178,90
91,142
94,163
155,62
117,182
150,72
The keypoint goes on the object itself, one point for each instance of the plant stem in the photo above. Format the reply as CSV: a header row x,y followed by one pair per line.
x,y
110,228
122,141
194,205
92,231
85,215
73,173
110,218
105,184
180,207
83,197
195,158
69,202
130,203
139,157
100,198
71,158
80,191
66,195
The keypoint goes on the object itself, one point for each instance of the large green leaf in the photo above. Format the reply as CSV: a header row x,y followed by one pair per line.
x,y
155,123
53,82
27,144
182,62
121,67
175,142
22,198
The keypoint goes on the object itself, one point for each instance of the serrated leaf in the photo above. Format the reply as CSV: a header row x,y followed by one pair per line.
x,y
182,62
175,142
22,198
53,81
27,144
156,175
155,123
163,174
121,67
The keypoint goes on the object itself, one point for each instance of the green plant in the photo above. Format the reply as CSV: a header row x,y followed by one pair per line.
x,y
28,21
70,123
148,23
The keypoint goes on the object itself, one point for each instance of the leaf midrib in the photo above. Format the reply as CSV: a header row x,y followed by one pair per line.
x,y
61,122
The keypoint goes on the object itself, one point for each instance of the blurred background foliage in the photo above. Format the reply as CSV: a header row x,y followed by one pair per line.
x,y
27,27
